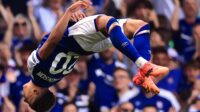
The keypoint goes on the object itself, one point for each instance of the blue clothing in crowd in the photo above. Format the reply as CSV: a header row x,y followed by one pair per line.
x,y
17,88
102,75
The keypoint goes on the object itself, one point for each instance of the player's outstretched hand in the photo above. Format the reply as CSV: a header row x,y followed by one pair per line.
x,y
79,5
77,16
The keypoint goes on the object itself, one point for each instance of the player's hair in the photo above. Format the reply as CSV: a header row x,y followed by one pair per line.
x,y
44,102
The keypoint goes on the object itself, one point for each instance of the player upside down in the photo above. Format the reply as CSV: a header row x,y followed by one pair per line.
x,y
58,52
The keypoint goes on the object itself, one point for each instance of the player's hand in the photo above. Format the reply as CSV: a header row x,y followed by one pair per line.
x,y
79,5
77,16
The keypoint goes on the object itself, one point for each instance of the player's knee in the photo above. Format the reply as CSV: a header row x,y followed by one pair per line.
x,y
112,23
141,23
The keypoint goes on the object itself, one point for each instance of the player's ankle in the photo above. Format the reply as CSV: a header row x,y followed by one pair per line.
x,y
140,62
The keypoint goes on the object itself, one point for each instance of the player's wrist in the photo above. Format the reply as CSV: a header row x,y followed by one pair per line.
x,y
68,11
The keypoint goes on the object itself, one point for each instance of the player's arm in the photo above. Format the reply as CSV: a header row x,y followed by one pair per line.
x,y
57,32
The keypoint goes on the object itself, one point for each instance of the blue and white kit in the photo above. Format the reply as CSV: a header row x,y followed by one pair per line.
x,y
82,38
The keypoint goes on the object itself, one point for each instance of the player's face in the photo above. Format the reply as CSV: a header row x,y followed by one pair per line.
x,y
30,93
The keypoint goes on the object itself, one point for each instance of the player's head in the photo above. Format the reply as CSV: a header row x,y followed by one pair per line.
x,y
39,99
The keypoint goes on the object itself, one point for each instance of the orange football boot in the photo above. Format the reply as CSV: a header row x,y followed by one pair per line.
x,y
146,83
149,75
150,69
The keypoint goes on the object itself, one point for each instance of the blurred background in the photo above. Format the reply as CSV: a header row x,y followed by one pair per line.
x,y
102,82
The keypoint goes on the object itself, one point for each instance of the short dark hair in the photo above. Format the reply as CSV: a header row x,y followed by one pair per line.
x,y
44,102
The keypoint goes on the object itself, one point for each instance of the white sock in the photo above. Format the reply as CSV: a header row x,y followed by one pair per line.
x,y
140,62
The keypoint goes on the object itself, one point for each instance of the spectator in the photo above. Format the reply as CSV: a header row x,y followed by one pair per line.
x,y
185,87
70,108
122,83
149,109
19,27
143,9
23,75
164,101
156,39
16,6
68,90
48,14
196,106
184,42
172,79
5,102
100,69
165,7
196,31
3,28
124,107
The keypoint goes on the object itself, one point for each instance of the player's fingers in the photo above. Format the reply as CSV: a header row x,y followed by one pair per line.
x,y
77,16
81,15
73,18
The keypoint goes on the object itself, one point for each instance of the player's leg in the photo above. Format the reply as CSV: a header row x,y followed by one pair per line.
x,y
142,44
122,43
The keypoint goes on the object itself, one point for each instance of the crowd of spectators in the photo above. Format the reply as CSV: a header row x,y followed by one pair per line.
x,y
103,82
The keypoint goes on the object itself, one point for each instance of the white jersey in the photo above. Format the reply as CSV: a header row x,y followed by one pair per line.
x,y
87,36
